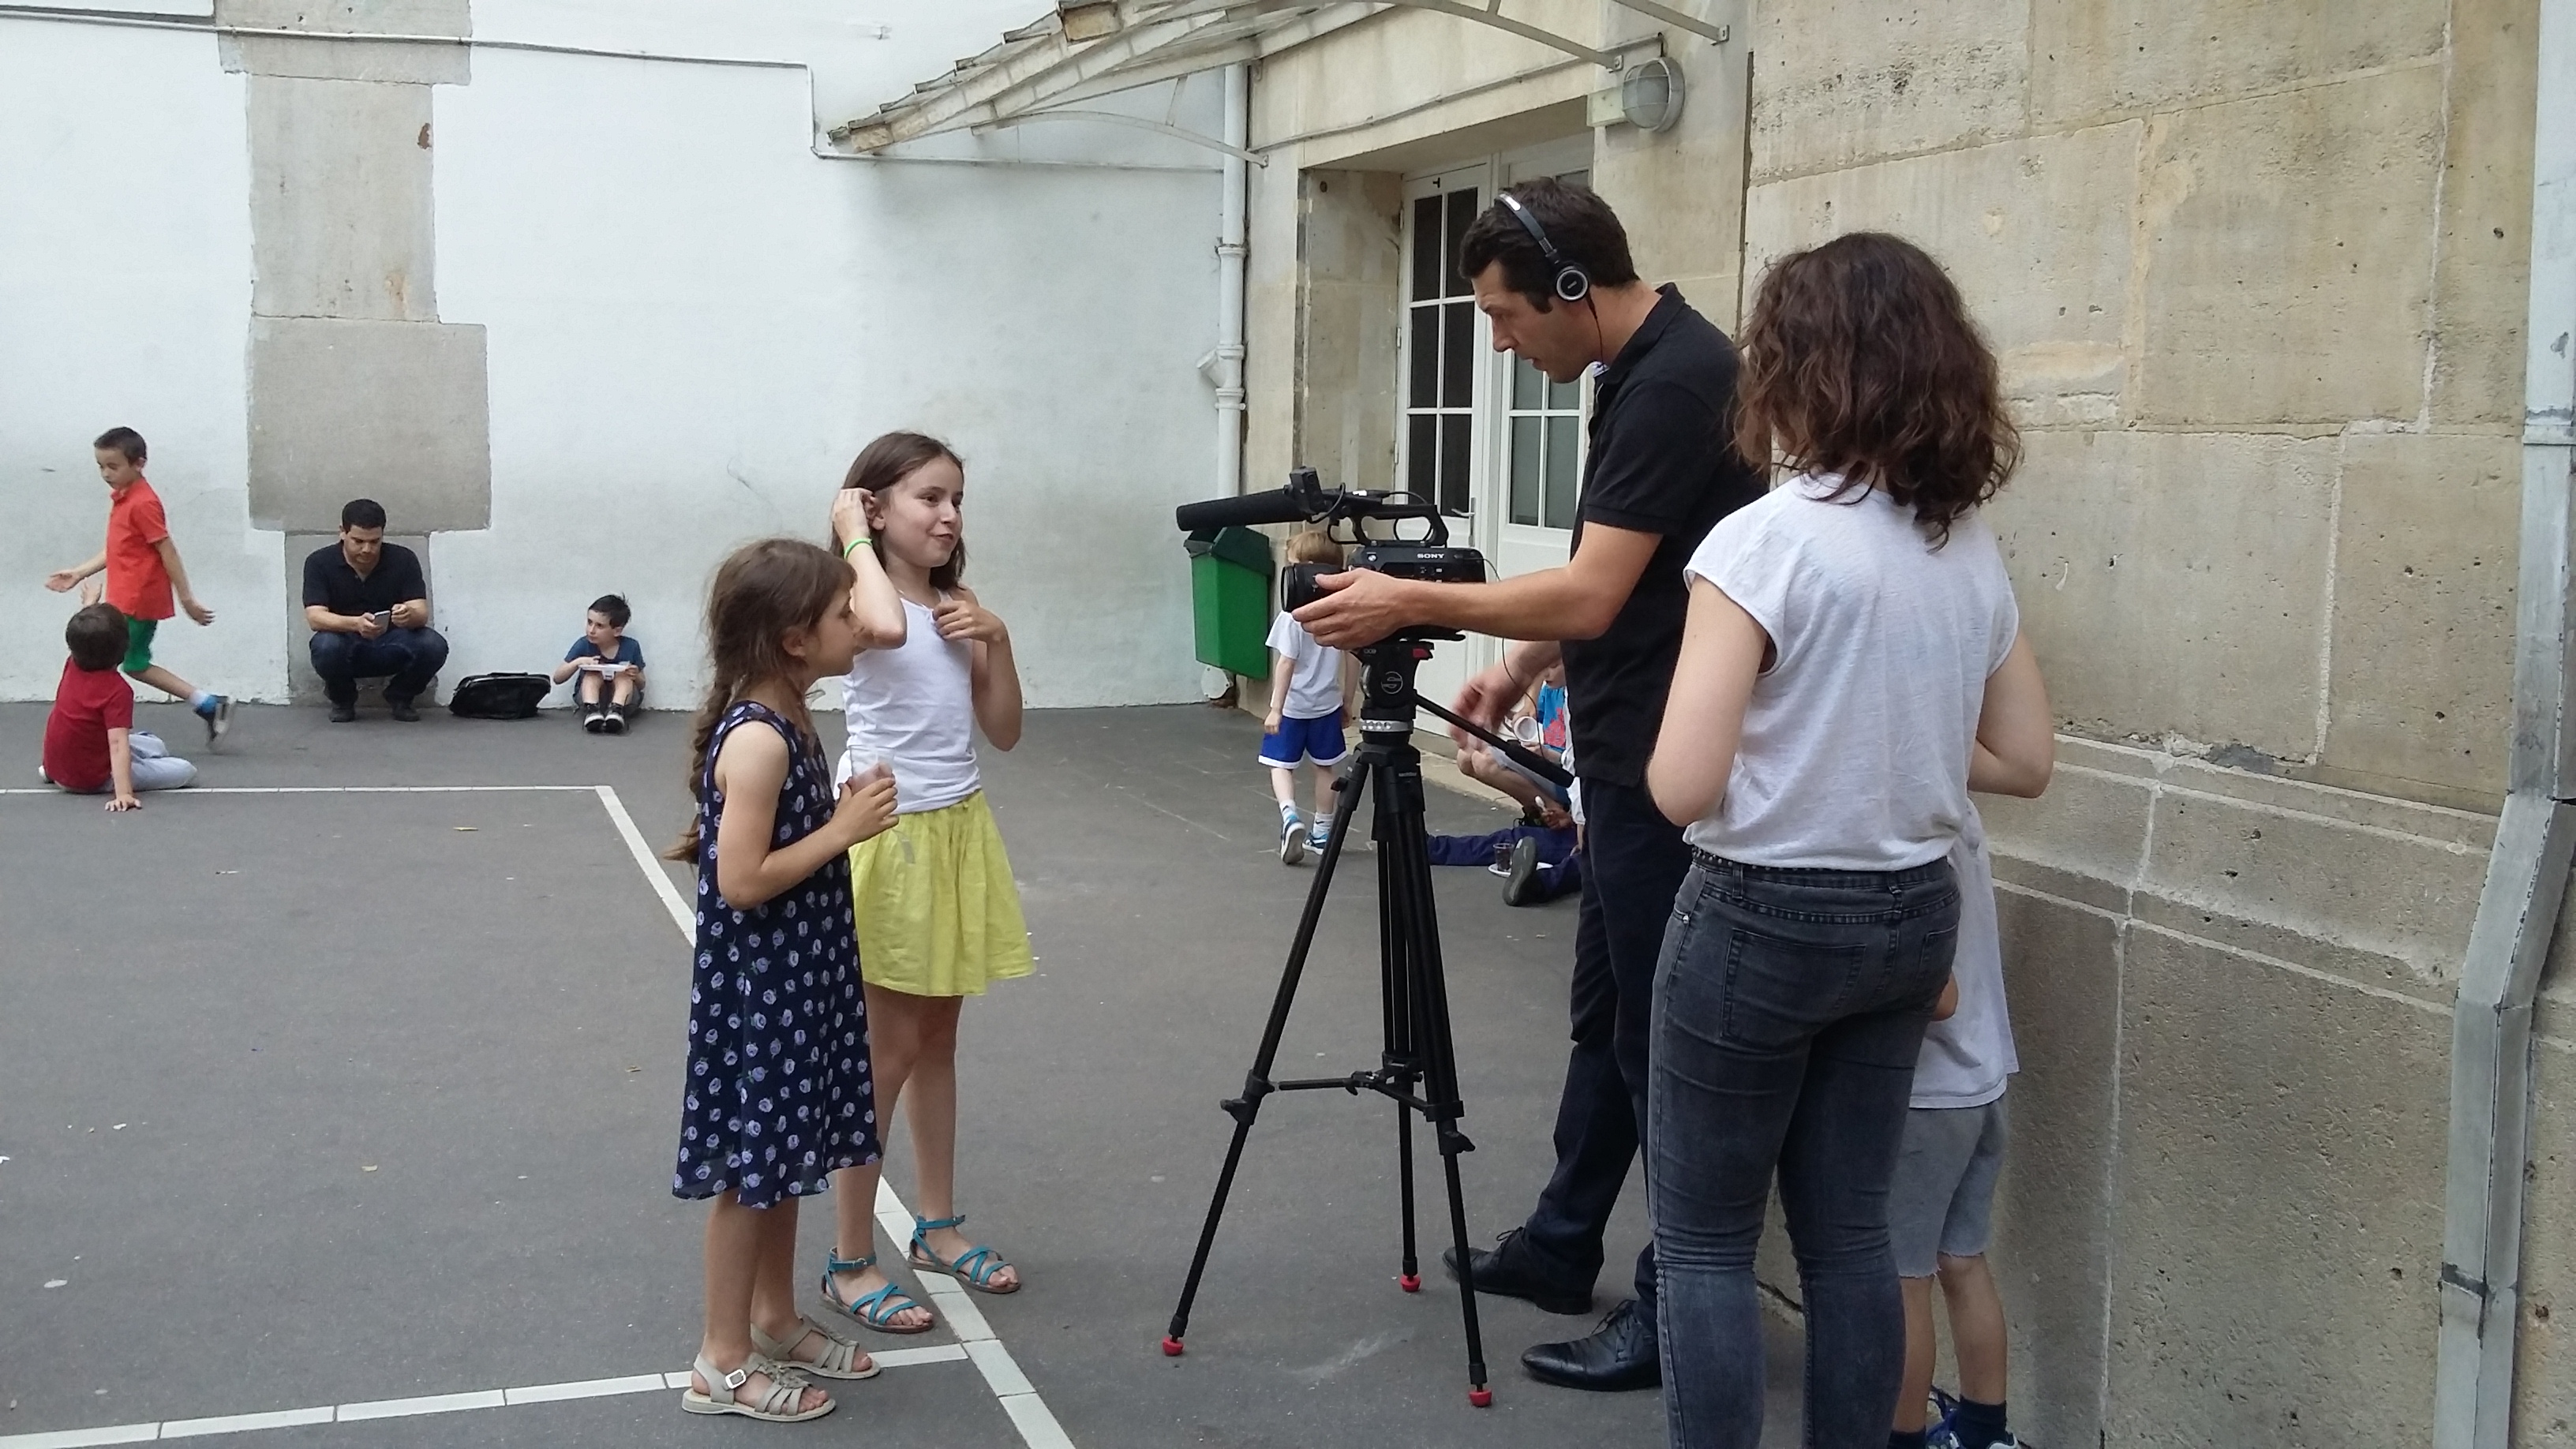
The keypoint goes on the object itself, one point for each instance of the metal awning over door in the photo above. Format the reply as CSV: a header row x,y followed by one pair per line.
x,y
1086,49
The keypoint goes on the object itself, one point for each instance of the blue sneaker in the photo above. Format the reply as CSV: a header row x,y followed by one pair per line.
x,y
217,712
1292,838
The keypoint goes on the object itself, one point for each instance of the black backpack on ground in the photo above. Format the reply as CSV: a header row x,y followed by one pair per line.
x,y
499,696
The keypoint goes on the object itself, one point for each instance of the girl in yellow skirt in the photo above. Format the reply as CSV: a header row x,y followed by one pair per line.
x,y
938,916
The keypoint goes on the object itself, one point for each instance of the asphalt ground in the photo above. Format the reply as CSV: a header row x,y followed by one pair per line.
x,y
316,1099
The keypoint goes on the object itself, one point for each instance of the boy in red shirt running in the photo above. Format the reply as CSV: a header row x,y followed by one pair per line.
x,y
142,564
91,743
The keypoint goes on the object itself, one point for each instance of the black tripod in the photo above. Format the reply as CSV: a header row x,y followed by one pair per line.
x,y
1418,1068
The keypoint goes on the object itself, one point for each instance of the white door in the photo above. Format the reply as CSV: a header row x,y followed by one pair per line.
x,y
1442,455
1483,434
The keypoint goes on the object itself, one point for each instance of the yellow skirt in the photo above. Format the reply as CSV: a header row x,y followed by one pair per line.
x,y
937,911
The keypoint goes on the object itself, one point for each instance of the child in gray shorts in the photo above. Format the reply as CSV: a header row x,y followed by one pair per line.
x,y
1940,1204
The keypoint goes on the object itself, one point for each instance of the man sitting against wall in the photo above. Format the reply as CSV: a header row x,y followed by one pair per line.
x,y
369,609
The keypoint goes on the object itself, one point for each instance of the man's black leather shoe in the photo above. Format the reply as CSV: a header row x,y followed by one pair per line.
x,y
343,713
1620,1354
403,710
1507,1269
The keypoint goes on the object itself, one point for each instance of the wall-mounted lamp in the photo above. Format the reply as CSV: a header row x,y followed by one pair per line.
x,y
1648,96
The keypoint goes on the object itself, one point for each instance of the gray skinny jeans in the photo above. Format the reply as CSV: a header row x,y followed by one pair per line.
x,y
1789,1008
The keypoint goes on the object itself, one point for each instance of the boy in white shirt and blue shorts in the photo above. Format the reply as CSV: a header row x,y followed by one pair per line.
x,y
1308,693
1940,1204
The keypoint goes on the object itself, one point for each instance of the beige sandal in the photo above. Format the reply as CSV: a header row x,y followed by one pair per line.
x,y
841,1359
777,1404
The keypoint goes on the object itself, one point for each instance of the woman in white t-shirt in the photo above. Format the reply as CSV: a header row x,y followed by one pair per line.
x,y
1851,668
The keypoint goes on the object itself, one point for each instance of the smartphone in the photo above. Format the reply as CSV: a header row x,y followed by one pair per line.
x,y
384,617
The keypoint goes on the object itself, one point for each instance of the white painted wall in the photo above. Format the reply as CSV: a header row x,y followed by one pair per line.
x,y
125,300
862,52
693,325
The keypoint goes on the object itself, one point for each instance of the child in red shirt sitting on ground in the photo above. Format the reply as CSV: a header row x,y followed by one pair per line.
x,y
142,565
90,740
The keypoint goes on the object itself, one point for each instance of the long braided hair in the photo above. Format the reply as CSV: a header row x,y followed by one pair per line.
x,y
763,590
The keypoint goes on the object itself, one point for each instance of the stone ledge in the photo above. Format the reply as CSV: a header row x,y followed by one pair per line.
x,y
2375,891
351,17
2369,809
404,62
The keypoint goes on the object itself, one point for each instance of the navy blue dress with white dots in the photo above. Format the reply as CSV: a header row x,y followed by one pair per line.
x,y
778,1096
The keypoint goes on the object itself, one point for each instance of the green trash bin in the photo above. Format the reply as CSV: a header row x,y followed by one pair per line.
x,y
1230,599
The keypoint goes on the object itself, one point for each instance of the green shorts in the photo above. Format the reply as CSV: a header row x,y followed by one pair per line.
x,y
138,643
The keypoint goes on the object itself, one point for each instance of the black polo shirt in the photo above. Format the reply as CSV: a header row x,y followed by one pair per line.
x,y
1661,462
330,582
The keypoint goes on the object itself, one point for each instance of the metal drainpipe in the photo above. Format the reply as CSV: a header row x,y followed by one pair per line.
x,y
2527,874
1230,251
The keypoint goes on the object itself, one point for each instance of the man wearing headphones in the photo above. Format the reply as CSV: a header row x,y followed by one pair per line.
x,y
1552,274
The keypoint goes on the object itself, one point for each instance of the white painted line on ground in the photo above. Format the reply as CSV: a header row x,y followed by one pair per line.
x,y
999,1369
906,1357
587,1389
681,914
431,1404
244,1423
1036,1425
78,1438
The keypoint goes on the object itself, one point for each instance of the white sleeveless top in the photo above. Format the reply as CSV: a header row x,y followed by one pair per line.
x,y
914,708
1857,739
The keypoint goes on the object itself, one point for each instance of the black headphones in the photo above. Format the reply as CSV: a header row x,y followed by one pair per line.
x,y
1566,277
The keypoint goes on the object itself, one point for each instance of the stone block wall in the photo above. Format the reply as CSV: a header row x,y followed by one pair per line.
x,y
2256,275
356,386
2255,272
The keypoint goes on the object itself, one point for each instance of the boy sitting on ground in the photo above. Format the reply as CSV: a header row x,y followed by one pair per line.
x,y
91,743
609,666
1540,858
1940,1203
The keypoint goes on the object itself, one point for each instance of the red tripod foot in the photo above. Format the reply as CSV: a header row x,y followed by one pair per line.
x,y
1410,1282
1172,1349
1481,1398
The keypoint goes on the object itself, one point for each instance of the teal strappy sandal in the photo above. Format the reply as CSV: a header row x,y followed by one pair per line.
x,y
872,1310
976,1267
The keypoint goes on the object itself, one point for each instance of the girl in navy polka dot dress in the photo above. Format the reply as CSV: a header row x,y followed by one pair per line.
x,y
778,1095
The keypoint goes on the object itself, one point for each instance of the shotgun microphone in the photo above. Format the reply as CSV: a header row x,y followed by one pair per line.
x,y
1271,505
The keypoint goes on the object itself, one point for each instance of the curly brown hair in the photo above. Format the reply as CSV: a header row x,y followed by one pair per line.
x,y
1860,361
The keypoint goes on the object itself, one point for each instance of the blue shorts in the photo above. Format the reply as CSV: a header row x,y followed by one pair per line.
x,y
1318,739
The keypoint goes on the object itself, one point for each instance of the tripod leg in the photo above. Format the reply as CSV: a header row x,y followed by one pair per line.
x,y
1400,1063
1256,1082
1410,1279
1428,997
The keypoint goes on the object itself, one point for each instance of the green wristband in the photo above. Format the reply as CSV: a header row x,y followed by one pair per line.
x,y
853,546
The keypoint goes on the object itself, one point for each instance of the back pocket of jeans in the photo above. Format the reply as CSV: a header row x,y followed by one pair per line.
x,y
1930,967
1779,992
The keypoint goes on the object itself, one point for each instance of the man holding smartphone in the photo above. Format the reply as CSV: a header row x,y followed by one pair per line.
x,y
368,606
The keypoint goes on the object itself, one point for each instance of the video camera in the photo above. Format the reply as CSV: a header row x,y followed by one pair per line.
x,y
1307,500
